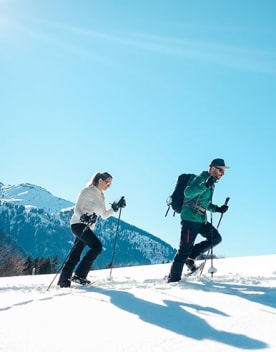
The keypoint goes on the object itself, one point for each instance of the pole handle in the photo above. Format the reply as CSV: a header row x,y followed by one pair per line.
x,y
226,202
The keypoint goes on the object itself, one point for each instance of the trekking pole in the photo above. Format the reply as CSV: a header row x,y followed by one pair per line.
x,y
226,202
59,270
210,269
115,242
77,240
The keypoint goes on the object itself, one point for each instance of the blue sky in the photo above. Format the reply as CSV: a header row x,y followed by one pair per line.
x,y
144,90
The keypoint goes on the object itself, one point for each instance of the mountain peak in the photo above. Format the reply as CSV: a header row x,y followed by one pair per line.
x,y
31,195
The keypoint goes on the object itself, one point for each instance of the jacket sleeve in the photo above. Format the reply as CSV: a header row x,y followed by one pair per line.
x,y
212,207
196,187
107,213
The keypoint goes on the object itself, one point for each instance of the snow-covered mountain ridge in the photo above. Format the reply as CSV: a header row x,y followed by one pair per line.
x,y
33,196
39,223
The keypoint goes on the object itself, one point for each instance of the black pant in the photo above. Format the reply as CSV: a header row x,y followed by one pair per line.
x,y
189,231
84,236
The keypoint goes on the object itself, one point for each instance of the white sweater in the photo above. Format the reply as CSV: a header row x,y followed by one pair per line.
x,y
90,200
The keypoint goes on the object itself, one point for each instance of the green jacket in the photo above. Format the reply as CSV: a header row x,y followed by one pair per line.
x,y
197,195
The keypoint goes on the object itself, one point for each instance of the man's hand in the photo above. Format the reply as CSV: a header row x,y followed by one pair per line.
x,y
222,209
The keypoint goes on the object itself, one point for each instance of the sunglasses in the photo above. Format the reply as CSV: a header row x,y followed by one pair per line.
x,y
220,169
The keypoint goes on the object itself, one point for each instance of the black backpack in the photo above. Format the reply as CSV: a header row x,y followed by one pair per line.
x,y
175,200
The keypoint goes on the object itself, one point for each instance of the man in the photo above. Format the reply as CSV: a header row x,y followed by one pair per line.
x,y
197,200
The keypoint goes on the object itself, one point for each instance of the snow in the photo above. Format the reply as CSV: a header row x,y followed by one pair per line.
x,y
32,196
136,310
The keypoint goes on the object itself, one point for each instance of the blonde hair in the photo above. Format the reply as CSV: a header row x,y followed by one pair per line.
x,y
96,177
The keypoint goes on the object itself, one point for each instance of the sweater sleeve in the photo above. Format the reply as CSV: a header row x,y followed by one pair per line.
x,y
90,200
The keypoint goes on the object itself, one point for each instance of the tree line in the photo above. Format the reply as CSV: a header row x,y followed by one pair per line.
x,y
16,265
14,262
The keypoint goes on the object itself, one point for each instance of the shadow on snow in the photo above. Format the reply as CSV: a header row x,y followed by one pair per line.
x,y
175,317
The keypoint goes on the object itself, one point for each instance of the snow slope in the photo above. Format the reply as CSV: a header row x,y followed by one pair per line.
x,y
33,196
135,310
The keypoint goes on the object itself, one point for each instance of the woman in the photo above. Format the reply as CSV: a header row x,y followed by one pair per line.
x,y
90,204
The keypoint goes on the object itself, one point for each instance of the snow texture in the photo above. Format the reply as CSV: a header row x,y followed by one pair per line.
x,y
133,309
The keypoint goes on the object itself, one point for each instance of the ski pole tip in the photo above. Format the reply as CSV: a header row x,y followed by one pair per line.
x,y
212,270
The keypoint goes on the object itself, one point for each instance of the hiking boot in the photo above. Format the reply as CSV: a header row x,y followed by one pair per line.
x,y
169,279
64,283
80,280
191,264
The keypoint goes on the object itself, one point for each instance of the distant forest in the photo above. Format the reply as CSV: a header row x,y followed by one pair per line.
x,y
14,262
15,265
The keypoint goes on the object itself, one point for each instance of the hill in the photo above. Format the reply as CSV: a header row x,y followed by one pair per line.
x,y
136,311
38,223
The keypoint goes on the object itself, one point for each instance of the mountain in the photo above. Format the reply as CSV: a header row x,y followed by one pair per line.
x,y
38,223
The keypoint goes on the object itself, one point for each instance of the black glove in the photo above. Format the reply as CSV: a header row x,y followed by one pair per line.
x,y
210,181
121,203
222,209
88,219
